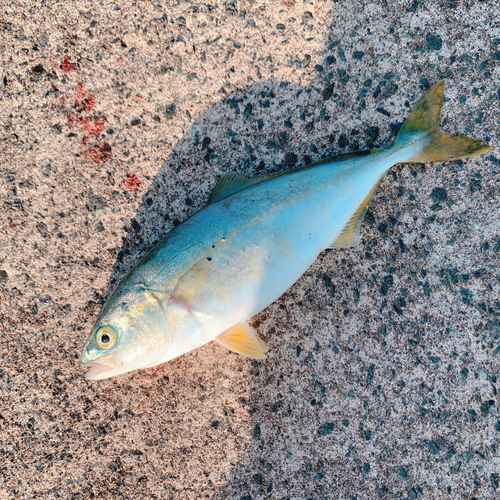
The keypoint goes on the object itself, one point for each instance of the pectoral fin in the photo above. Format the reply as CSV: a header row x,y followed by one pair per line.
x,y
191,284
243,339
350,237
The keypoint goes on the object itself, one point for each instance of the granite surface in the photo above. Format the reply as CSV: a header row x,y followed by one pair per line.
x,y
116,120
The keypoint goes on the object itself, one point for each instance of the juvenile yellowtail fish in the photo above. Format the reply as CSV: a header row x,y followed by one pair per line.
x,y
252,241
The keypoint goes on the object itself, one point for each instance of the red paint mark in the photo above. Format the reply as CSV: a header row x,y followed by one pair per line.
x,y
84,101
131,182
67,65
79,109
93,126
100,154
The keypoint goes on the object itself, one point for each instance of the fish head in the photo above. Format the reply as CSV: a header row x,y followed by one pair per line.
x,y
130,333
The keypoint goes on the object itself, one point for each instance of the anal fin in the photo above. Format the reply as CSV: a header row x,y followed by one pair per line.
x,y
349,236
243,339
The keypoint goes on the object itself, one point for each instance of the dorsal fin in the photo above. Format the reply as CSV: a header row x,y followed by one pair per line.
x,y
232,182
349,237
227,185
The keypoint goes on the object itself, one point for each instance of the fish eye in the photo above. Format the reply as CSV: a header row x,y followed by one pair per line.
x,y
105,337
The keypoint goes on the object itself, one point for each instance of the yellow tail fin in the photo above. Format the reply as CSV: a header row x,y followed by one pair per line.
x,y
425,118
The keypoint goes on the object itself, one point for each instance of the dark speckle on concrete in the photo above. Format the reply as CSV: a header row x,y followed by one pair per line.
x,y
433,447
438,194
382,111
343,141
433,42
170,111
372,133
402,472
389,91
326,429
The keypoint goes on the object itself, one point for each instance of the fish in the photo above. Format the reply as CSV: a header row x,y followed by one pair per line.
x,y
253,240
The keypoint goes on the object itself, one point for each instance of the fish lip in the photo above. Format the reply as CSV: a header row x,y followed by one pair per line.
x,y
95,370
98,368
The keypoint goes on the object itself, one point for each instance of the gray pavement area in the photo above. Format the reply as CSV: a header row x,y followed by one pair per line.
x,y
116,119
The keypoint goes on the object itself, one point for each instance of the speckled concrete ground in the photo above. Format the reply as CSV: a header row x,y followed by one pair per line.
x,y
116,120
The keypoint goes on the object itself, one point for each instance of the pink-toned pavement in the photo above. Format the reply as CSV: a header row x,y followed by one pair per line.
x,y
116,120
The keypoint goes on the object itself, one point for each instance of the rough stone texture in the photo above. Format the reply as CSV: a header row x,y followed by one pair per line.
x,y
116,120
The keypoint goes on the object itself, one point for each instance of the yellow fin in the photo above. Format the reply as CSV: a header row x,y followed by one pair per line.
x,y
349,237
191,284
442,147
243,339
425,115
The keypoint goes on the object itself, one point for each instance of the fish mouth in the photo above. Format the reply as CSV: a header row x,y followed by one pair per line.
x,y
99,369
